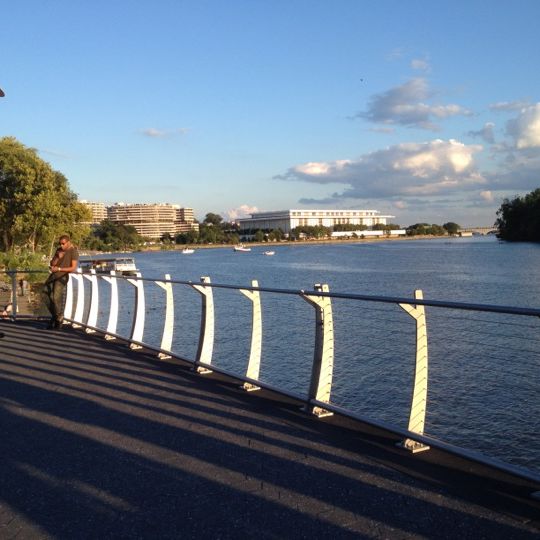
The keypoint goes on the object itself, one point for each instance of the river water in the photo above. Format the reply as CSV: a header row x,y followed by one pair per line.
x,y
484,369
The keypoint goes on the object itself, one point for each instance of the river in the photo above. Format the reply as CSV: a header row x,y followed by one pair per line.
x,y
484,371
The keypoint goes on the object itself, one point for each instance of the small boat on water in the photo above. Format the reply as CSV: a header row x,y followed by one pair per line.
x,y
269,252
241,247
187,251
124,266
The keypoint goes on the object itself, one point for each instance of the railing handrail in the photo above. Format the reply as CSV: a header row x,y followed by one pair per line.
x,y
492,308
318,399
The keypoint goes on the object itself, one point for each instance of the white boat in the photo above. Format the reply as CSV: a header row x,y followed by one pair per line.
x,y
104,265
241,247
188,251
269,252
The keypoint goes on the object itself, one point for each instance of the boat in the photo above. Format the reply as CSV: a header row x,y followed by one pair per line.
x,y
241,247
187,251
269,252
124,266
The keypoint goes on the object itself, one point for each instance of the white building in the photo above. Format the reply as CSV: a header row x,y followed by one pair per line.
x,y
286,220
99,212
154,220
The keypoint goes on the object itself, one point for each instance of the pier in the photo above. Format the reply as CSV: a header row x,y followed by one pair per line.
x,y
102,441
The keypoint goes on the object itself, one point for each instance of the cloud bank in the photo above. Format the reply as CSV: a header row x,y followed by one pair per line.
x,y
403,170
409,105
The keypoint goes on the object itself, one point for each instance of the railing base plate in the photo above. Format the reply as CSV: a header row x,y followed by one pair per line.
x,y
412,446
248,387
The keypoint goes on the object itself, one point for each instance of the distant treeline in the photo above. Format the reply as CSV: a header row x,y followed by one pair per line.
x,y
519,219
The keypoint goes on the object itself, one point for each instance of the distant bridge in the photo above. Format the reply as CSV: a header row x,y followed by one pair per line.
x,y
480,230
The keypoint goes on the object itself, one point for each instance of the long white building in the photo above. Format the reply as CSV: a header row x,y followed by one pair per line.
x,y
286,220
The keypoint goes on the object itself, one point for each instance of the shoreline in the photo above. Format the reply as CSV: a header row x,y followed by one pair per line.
x,y
180,247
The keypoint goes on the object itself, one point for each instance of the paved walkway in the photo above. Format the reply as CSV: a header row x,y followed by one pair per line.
x,y
98,441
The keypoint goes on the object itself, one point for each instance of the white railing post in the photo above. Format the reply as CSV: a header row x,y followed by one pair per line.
x,y
79,309
137,328
68,305
206,334
91,321
14,307
323,356
417,414
113,307
254,362
168,325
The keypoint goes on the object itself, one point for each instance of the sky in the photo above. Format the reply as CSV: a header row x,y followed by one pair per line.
x,y
425,110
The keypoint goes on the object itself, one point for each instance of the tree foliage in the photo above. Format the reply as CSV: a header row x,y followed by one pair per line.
x,y
451,227
519,219
112,236
36,204
425,229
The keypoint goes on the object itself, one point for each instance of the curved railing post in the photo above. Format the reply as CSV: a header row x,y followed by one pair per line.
x,y
79,308
137,328
206,334
113,307
417,414
91,321
323,356
168,325
254,362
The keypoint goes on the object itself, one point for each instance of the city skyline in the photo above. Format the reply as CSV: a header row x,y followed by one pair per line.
x,y
427,112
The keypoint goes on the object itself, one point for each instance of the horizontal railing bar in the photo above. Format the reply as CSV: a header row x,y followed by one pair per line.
x,y
508,310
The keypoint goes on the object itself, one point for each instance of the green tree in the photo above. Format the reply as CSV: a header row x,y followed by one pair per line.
x,y
519,219
259,236
112,236
36,204
212,219
451,227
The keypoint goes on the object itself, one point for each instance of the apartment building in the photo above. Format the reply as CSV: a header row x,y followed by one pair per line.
x,y
286,220
154,220
99,212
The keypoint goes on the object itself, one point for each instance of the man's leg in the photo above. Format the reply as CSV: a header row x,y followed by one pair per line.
x,y
58,303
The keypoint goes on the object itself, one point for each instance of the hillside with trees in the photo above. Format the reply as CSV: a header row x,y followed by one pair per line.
x,y
519,219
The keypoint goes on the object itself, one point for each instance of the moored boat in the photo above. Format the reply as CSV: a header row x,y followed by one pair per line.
x,y
104,265
188,251
241,247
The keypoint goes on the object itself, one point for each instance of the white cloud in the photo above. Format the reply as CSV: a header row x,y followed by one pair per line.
x,y
241,211
420,65
163,133
525,129
509,106
403,170
487,196
408,105
486,133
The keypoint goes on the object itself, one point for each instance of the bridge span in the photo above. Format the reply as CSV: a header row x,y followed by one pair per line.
x,y
102,441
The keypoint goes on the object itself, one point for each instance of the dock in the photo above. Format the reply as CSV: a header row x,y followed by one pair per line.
x,y
101,441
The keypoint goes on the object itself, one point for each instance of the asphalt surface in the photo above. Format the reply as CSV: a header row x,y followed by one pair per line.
x,y
98,441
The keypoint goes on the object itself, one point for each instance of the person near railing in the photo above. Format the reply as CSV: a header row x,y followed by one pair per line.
x,y
64,261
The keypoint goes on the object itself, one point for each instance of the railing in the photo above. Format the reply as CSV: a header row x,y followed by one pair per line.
x,y
83,309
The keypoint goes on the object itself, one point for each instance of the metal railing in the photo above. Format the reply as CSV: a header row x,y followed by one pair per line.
x,y
83,306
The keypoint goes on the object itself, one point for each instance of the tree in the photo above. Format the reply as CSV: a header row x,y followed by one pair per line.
x,y
451,227
113,236
519,219
36,204
212,219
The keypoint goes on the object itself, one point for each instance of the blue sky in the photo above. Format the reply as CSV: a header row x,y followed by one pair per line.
x,y
429,111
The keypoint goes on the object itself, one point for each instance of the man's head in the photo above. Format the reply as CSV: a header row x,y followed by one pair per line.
x,y
65,242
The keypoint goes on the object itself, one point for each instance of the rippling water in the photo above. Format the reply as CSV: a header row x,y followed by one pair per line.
x,y
484,370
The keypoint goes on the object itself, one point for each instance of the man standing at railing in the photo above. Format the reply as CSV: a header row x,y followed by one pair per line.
x,y
63,262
